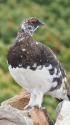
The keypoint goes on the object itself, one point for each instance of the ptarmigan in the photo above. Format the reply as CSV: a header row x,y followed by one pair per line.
x,y
35,67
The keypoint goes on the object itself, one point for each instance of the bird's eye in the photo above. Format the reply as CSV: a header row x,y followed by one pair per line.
x,y
29,28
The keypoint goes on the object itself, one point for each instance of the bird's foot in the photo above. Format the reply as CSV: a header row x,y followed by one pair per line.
x,y
28,107
37,106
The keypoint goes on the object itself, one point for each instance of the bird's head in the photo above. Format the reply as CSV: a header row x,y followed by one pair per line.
x,y
30,25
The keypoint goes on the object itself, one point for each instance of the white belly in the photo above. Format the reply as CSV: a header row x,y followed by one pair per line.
x,y
41,80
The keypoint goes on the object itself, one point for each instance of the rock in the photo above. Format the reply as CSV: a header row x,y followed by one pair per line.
x,y
19,101
12,116
64,114
40,116
12,113
58,108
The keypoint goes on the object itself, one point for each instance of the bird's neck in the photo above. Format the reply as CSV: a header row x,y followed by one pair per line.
x,y
24,31
23,36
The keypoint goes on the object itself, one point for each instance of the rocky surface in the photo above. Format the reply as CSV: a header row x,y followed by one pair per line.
x,y
12,113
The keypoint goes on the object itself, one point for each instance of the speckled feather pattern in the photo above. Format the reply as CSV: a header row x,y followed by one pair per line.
x,y
28,52
35,67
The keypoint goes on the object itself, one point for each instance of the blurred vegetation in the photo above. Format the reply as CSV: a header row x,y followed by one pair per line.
x,y
55,34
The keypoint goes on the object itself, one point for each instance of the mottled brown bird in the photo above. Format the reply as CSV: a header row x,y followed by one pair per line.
x,y
35,67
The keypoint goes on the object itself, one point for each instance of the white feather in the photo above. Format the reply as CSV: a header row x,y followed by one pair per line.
x,y
39,80
38,83
23,49
34,66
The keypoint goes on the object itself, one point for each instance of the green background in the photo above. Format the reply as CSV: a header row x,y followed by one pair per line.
x,y
55,34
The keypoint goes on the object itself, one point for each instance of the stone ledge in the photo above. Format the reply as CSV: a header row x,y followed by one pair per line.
x,y
12,113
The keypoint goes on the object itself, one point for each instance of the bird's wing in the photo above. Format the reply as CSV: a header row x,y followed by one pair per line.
x,y
33,54
44,56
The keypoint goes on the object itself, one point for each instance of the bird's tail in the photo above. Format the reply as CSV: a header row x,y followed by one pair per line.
x,y
68,97
68,93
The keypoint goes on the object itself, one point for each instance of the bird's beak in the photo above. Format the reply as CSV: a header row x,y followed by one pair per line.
x,y
41,23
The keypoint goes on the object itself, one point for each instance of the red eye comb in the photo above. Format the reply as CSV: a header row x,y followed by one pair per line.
x,y
32,20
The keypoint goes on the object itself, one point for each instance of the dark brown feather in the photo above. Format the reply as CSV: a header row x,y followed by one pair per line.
x,y
35,52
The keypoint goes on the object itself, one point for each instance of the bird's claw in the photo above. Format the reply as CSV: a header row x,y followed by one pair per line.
x,y
37,106
28,107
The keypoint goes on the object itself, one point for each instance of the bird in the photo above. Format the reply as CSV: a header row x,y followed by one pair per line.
x,y
35,67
